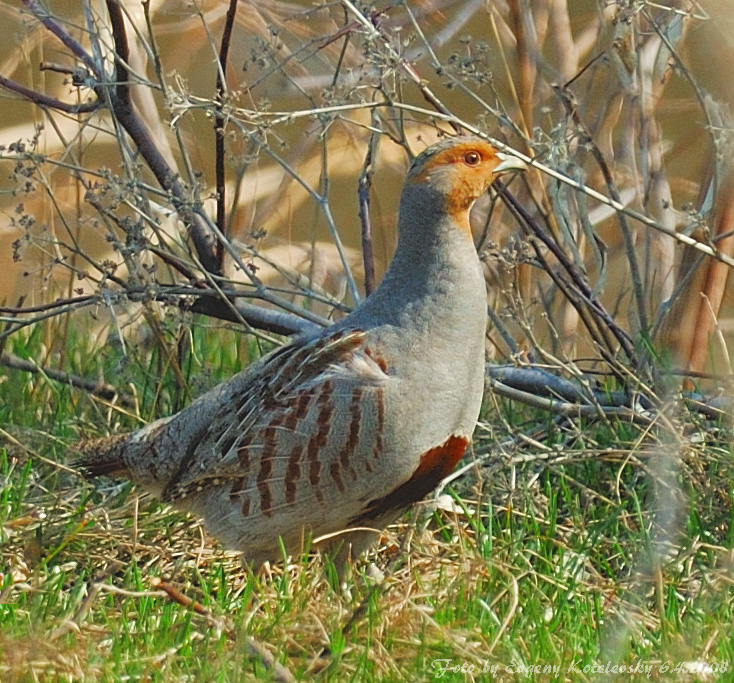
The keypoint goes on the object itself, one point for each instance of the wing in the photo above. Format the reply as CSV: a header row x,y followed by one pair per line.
x,y
276,426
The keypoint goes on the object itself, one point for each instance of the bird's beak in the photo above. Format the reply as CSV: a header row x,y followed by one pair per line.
x,y
509,163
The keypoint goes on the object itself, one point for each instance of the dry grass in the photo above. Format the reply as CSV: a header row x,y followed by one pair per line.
x,y
560,557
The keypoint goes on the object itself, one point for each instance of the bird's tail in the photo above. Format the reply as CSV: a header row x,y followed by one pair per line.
x,y
102,457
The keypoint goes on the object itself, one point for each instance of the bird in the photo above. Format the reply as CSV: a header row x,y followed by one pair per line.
x,y
338,432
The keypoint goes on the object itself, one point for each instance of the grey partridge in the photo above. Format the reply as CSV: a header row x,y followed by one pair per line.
x,y
347,427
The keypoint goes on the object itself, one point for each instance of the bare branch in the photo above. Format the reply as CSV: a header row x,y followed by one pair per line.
x,y
43,15
257,317
101,389
47,100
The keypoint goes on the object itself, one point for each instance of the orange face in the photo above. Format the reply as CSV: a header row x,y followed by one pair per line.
x,y
462,172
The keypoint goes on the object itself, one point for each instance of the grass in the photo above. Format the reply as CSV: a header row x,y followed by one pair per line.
x,y
550,562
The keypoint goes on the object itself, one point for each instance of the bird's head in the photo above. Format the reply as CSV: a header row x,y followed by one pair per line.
x,y
460,170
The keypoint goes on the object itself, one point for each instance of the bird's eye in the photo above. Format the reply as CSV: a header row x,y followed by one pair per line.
x,y
472,158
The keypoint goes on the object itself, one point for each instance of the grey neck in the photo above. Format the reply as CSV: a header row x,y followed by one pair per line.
x,y
435,275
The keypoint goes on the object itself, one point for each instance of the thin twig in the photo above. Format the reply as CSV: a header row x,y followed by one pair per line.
x,y
365,187
219,128
569,103
280,673
376,34
577,277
